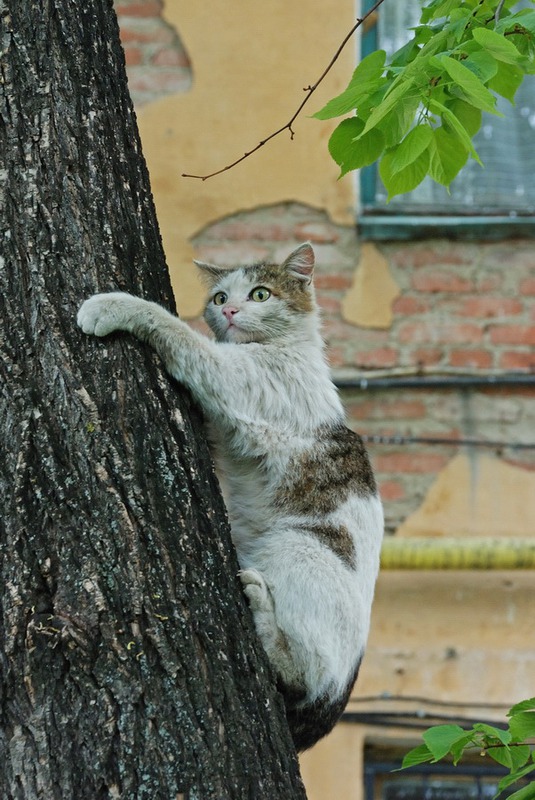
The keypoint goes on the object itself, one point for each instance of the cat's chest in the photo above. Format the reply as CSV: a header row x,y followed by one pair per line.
x,y
252,478
247,493
248,483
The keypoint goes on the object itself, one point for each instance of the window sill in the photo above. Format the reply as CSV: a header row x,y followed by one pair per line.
x,y
384,227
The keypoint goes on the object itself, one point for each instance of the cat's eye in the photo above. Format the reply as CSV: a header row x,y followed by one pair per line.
x,y
220,298
260,294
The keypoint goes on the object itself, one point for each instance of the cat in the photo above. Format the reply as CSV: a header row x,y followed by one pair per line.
x,y
305,514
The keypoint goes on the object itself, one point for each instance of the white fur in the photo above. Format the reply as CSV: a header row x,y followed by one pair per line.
x,y
265,388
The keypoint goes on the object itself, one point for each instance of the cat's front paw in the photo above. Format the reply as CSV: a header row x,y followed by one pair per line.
x,y
256,590
104,313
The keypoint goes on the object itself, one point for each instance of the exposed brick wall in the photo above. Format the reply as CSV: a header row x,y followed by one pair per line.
x,y
465,306
156,60
469,304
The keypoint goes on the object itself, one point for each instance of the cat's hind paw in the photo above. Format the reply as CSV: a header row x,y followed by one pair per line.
x,y
104,313
256,590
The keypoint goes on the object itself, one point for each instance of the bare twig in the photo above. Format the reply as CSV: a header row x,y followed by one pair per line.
x,y
309,91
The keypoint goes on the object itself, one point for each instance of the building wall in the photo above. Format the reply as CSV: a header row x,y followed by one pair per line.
x,y
209,81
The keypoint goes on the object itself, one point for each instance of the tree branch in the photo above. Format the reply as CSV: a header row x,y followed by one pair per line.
x,y
309,92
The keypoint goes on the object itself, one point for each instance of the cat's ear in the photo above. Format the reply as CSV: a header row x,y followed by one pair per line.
x,y
300,263
209,272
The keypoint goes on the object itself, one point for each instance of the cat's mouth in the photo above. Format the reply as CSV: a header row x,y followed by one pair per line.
x,y
232,328
238,335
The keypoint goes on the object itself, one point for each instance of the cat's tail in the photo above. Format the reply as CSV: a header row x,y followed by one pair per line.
x,y
309,722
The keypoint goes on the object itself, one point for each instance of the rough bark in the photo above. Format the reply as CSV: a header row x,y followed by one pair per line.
x,y
128,663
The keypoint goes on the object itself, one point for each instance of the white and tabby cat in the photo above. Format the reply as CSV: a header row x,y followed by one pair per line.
x,y
304,511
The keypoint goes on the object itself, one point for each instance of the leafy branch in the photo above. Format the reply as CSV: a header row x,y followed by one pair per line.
x,y
309,92
509,747
418,113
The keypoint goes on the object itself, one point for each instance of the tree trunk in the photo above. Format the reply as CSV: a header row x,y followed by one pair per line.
x,y
128,663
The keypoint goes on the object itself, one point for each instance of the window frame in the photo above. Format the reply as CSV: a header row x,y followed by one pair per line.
x,y
444,770
377,222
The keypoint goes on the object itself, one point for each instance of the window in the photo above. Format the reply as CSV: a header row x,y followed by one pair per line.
x,y
497,201
434,782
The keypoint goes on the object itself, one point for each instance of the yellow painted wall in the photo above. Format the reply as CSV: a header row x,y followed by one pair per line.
x,y
477,495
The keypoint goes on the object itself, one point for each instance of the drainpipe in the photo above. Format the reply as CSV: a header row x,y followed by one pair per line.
x,y
445,553
399,380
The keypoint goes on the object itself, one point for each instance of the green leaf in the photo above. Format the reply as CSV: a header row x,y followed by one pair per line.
x,y
440,739
506,81
513,777
405,180
352,151
397,123
367,148
423,33
405,54
366,79
482,64
461,20
346,102
458,749
390,101
473,90
446,157
491,732
520,755
468,116
524,42
522,725
524,705
498,46
370,68
455,62
341,141
412,146
418,755
439,8
341,104
526,793
525,18
454,125
502,755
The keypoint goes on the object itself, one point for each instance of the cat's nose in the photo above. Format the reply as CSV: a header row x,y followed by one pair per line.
x,y
229,312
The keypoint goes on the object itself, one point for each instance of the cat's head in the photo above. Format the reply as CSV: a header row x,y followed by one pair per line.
x,y
263,302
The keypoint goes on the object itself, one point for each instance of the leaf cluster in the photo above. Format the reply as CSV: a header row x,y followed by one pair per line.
x,y
509,747
419,112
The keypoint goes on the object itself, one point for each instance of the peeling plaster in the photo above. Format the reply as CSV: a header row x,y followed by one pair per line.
x,y
496,499
368,303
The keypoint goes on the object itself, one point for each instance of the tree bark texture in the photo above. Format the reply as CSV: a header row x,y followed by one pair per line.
x,y
129,666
